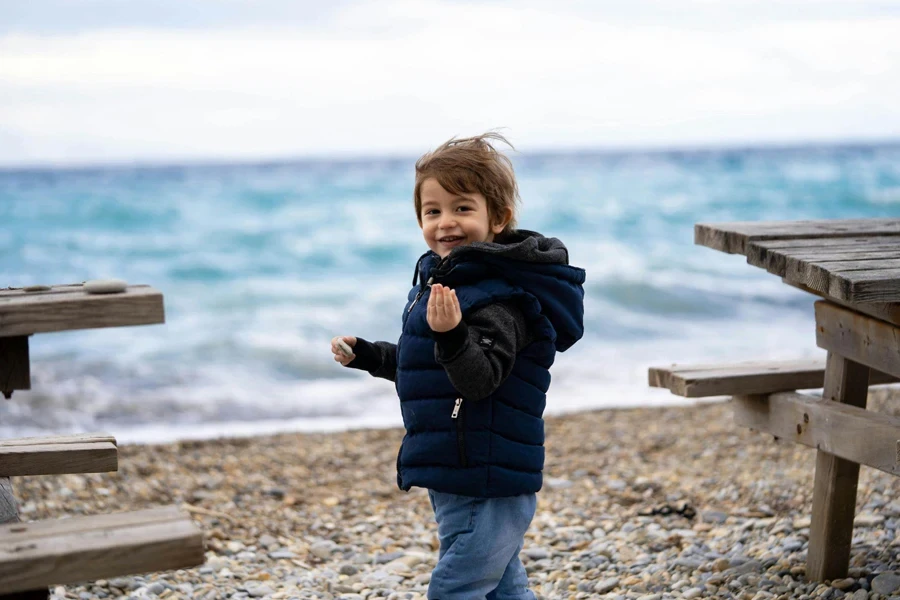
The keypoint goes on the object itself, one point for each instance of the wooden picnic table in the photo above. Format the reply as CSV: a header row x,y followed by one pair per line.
x,y
35,555
854,266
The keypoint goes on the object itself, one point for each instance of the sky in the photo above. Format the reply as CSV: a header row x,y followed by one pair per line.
x,y
111,81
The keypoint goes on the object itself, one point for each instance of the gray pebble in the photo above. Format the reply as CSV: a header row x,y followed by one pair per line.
x,y
606,585
388,557
886,583
260,591
536,553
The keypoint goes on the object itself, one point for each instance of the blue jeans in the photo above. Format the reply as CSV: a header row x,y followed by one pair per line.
x,y
480,543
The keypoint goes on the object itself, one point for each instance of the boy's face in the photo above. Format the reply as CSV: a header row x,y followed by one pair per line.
x,y
449,220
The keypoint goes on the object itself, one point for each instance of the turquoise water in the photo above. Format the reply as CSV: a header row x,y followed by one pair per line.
x,y
262,264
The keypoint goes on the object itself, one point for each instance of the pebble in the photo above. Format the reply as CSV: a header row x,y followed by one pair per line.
x,y
886,583
105,286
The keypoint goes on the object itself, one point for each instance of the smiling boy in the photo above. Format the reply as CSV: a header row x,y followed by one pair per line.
x,y
489,308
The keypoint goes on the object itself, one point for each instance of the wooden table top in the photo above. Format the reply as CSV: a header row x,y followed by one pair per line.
x,y
852,261
68,307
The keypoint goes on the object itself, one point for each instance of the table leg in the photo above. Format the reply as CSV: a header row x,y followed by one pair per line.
x,y
834,494
15,372
9,513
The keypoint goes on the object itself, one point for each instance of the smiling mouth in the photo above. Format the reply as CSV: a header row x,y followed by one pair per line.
x,y
450,240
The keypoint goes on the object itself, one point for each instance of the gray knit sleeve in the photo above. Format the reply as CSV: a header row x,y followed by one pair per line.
x,y
478,355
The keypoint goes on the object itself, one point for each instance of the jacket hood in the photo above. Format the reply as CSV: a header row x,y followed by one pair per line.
x,y
538,264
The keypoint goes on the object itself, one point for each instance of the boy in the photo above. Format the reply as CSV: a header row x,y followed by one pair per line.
x,y
480,331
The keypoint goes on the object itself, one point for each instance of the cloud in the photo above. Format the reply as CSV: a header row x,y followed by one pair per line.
x,y
401,76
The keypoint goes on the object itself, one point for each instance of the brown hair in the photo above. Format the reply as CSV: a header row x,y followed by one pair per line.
x,y
470,165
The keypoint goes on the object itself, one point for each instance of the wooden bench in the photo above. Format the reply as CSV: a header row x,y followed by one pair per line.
x,y
74,550
85,453
756,377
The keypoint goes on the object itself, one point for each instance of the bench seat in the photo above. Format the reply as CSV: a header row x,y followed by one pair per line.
x,y
82,453
757,377
73,550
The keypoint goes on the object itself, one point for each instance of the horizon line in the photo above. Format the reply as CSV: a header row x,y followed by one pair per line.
x,y
373,156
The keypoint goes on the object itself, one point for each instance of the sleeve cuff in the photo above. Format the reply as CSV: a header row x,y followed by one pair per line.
x,y
367,358
450,343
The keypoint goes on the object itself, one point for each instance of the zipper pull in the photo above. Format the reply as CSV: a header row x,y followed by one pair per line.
x,y
419,295
456,408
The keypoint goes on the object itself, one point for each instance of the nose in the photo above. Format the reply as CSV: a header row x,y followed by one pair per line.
x,y
447,221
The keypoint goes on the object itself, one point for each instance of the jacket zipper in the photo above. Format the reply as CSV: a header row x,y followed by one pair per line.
x,y
419,295
460,431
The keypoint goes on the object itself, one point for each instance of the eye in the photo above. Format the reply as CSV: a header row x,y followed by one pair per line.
x,y
464,208
432,211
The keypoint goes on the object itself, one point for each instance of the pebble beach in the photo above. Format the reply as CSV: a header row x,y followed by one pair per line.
x,y
647,504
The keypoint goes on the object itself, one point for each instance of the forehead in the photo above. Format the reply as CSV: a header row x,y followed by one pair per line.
x,y
433,192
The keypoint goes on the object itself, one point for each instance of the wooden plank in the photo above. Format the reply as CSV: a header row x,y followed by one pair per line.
x,y
734,237
77,438
757,377
858,435
882,285
15,369
9,510
78,525
819,275
858,337
834,490
799,244
885,311
58,459
96,550
778,261
24,314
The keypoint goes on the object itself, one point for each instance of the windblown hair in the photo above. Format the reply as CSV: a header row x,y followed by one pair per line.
x,y
470,165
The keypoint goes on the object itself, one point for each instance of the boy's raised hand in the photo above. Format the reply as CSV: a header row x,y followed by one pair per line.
x,y
339,354
443,309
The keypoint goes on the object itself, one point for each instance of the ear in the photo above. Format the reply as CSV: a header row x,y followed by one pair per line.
x,y
502,220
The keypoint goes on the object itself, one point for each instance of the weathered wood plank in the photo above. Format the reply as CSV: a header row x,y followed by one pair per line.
x,y
25,314
99,548
734,237
779,261
74,526
858,337
819,275
58,459
855,434
885,311
15,366
834,489
867,286
9,510
757,377
76,438
871,242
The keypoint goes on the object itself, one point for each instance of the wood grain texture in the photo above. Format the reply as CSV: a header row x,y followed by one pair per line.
x,y
858,435
858,337
884,311
88,548
734,237
834,491
76,438
758,377
25,314
58,459
9,509
15,366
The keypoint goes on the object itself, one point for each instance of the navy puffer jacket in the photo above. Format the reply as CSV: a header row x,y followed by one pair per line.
x,y
491,447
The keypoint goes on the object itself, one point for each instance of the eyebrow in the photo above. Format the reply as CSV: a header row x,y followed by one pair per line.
x,y
455,199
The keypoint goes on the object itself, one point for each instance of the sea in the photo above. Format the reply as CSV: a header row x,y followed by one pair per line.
x,y
261,264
